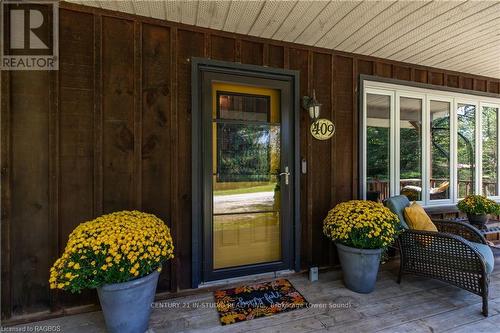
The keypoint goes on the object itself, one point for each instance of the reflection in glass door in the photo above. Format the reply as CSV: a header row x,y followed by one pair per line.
x,y
246,193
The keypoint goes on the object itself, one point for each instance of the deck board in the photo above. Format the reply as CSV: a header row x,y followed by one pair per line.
x,y
416,305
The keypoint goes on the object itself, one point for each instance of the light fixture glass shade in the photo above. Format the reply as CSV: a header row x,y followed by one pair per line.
x,y
312,111
316,111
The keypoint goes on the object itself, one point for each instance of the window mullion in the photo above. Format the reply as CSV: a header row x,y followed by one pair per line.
x,y
425,149
453,153
498,151
396,154
479,150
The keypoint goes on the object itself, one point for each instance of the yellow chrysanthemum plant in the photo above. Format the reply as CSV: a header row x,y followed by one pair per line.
x,y
361,224
112,248
478,205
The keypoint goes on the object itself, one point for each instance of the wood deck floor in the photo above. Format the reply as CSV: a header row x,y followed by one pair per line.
x,y
416,305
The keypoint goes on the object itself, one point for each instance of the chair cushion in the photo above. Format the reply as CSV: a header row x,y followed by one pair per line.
x,y
487,254
417,218
397,205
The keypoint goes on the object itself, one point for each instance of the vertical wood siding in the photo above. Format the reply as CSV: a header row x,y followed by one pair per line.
x,y
111,130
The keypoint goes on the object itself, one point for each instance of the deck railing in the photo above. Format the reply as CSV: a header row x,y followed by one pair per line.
x,y
380,188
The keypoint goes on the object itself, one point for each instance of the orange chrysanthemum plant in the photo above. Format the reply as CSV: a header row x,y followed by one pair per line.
x,y
112,248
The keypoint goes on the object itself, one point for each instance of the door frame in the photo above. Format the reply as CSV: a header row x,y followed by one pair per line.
x,y
199,68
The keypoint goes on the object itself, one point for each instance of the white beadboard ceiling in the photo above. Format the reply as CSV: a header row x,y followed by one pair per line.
x,y
462,36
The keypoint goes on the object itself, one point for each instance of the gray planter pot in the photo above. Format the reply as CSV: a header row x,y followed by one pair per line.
x,y
360,267
479,221
127,306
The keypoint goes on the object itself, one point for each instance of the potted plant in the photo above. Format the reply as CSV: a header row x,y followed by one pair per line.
x,y
361,230
477,208
121,255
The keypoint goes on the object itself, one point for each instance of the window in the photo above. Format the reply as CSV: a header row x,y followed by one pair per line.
x,y
410,147
378,127
440,148
433,146
489,140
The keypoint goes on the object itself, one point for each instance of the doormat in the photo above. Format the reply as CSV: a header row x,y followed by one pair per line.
x,y
257,300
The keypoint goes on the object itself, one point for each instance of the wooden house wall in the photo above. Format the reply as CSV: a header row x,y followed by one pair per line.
x,y
111,130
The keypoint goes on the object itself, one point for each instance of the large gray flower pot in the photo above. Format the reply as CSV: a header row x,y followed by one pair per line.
x,y
127,306
479,221
360,267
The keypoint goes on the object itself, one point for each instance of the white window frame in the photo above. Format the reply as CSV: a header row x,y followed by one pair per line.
x,y
391,135
395,92
397,143
477,139
495,106
427,199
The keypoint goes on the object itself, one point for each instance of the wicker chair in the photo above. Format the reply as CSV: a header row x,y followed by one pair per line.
x,y
457,253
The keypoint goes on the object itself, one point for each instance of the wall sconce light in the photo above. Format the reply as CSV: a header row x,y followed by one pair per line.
x,y
311,105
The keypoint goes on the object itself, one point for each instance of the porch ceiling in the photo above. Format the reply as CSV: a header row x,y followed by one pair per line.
x,y
462,36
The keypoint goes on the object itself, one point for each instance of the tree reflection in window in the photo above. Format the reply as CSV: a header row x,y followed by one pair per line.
x,y
466,116
439,179
489,138
246,152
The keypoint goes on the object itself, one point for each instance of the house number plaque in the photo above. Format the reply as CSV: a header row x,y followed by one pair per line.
x,y
322,129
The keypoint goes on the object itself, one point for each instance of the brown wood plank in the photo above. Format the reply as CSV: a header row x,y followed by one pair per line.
x,y
97,130
480,85
494,87
276,56
452,81
32,241
118,113
174,163
189,44
365,67
402,73
321,177
436,78
30,247
383,69
298,60
343,136
156,125
5,192
137,119
355,127
420,76
76,124
251,52
466,82
222,48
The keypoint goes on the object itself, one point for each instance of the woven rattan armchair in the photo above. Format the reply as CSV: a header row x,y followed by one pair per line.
x,y
457,253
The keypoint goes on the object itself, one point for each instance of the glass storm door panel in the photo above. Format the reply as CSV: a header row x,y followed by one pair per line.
x,y
246,210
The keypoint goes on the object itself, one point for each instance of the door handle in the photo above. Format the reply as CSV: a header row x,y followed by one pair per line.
x,y
287,175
